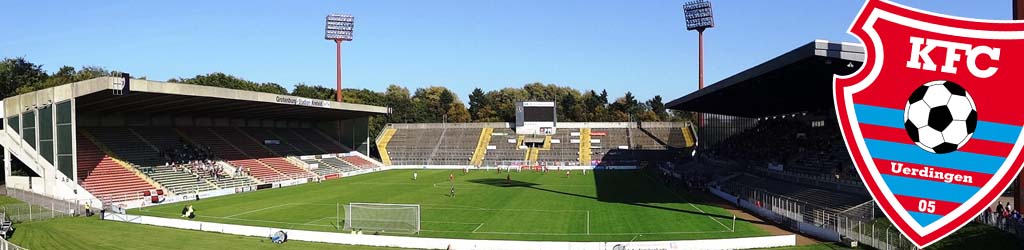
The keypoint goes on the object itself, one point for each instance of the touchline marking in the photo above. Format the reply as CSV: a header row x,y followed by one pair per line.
x,y
688,202
237,219
452,231
449,222
478,227
257,210
588,222
569,234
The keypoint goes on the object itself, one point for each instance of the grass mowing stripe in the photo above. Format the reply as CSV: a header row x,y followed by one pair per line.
x,y
604,206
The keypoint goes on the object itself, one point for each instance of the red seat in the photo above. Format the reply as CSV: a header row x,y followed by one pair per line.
x,y
104,178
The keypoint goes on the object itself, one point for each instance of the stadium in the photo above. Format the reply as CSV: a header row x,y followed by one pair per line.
x,y
759,164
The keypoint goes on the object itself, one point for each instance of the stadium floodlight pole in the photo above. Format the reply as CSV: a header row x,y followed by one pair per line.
x,y
699,17
339,29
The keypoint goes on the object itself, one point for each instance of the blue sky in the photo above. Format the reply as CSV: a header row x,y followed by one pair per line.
x,y
638,46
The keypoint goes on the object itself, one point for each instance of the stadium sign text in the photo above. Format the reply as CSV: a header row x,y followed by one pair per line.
x,y
932,129
303,101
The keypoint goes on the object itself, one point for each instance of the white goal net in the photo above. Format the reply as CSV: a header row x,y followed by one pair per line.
x,y
382,217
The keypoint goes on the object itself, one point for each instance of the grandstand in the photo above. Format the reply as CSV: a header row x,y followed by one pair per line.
x,y
773,126
494,144
105,141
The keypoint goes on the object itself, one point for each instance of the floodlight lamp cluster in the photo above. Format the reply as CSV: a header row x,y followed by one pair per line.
x,y
698,15
339,27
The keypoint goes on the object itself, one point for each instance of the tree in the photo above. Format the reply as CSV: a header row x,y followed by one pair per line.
x,y
458,113
397,97
315,92
222,80
17,72
658,107
477,101
626,104
273,88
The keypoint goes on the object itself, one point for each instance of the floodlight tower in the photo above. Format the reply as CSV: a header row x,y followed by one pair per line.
x,y
339,29
698,17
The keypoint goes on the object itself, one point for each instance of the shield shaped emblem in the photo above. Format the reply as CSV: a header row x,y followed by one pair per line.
x,y
932,119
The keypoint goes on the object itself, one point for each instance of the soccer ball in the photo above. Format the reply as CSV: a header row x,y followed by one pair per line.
x,y
940,117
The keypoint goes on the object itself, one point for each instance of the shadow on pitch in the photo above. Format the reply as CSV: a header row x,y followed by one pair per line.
x,y
522,184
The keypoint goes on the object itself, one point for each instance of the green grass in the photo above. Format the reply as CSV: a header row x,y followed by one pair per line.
x,y
601,206
91,233
7,200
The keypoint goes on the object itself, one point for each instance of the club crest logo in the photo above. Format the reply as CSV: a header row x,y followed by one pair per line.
x,y
932,119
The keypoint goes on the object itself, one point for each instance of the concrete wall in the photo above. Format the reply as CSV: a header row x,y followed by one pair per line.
x,y
441,243
146,120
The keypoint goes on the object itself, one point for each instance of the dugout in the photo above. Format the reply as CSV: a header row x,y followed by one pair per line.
x,y
796,83
39,127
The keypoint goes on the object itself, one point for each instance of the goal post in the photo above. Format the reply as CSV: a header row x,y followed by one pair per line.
x,y
382,217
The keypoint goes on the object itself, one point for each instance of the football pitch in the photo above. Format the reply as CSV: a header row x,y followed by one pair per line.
x,y
598,206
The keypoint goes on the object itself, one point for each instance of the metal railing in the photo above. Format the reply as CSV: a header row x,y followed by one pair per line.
x,y
856,223
877,235
38,207
6,245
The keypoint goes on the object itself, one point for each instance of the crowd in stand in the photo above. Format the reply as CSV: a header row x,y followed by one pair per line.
x,y
197,160
1004,217
789,144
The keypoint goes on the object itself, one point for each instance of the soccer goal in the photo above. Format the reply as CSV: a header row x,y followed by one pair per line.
x,y
382,217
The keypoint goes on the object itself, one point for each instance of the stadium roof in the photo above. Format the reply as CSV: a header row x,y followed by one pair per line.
x,y
799,80
162,98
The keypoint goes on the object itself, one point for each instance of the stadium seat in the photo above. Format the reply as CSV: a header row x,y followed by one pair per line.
x,y
103,177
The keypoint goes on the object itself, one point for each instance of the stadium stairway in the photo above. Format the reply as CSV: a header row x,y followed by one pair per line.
x,y
481,147
105,178
688,136
382,145
584,147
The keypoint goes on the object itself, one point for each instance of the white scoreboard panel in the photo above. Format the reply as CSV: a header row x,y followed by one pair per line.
x,y
536,118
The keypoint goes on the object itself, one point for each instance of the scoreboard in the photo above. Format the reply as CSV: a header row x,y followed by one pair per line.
x,y
536,118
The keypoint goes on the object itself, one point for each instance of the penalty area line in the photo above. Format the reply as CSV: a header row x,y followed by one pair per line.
x,y
257,210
